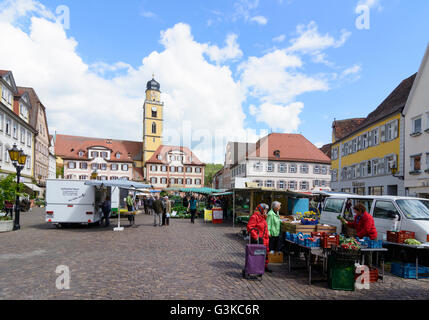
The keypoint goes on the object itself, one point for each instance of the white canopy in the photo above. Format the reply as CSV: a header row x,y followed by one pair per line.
x,y
126,184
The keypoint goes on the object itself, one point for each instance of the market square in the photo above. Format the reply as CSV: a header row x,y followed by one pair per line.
x,y
232,150
178,262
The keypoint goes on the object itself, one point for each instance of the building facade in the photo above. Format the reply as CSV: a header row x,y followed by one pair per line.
x,y
38,120
52,171
369,159
15,128
279,161
109,159
416,114
172,166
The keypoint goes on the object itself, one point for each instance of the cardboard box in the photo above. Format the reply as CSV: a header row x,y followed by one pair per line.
x,y
327,229
276,257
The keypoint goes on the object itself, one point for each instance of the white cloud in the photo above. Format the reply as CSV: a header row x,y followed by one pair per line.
x,y
259,20
309,39
370,4
279,117
80,101
352,70
148,14
243,8
280,38
274,77
12,10
231,51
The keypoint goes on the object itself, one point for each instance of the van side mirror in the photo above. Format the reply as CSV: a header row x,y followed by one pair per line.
x,y
394,215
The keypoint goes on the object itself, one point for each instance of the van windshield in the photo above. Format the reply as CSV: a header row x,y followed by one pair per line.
x,y
415,209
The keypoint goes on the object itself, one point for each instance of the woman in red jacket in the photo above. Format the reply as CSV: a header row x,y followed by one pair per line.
x,y
258,221
364,225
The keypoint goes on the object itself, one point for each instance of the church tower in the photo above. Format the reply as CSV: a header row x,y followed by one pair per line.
x,y
153,114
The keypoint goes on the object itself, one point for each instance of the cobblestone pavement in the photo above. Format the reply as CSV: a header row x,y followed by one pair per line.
x,y
181,261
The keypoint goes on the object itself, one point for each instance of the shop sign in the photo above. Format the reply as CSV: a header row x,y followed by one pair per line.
x,y
358,184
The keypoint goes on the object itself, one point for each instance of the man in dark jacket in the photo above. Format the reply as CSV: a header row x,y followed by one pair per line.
x,y
106,207
158,208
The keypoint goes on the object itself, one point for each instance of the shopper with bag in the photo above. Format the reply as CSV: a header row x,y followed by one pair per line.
x,y
258,221
274,225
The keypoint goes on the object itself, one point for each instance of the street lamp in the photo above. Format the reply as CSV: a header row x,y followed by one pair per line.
x,y
18,158
394,170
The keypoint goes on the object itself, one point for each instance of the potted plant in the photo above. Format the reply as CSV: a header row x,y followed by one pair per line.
x,y
8,192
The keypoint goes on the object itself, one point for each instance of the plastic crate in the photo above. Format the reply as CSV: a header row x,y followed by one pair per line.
x,y
404,235
392,236
375,244
330,241
312,244
309,223
408,270
373,275
318,234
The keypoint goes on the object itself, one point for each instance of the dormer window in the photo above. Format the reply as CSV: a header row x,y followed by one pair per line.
x,y
81,153
159,157
277,154
118,155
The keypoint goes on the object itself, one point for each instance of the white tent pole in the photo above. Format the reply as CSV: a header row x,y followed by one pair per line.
x,y
233,209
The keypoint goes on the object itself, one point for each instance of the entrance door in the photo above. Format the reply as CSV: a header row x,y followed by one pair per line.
x,y
392,190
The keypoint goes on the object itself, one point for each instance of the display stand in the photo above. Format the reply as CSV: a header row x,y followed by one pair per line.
x,y
119,228
217,215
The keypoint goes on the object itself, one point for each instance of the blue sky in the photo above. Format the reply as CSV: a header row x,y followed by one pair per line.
x,y
345,73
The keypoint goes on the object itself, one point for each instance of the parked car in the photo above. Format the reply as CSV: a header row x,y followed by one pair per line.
x,y
389,213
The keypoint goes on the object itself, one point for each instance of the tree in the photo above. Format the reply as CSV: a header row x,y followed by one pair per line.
x,y
9,190
210,171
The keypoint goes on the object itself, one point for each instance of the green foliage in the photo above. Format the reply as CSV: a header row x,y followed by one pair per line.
x,y
9,190
5,218
210,171
60,172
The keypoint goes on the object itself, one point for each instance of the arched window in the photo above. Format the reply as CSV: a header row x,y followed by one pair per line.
x,y
153,127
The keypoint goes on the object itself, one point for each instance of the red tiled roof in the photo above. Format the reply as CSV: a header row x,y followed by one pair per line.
x,y
292,147
395,102
165,149
326,149
68,147
343,128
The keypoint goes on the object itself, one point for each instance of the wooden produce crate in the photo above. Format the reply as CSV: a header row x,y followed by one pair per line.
x,y
327,230
276,257
297,228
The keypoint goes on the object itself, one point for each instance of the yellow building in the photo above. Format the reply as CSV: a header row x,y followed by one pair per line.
x,y
152,120
367,153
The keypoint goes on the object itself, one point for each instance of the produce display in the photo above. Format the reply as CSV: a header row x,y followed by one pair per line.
x,y
308,218
413,242
350,244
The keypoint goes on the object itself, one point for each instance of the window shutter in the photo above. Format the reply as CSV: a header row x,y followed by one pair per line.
x,y
396,129
370,139
359,143
383,133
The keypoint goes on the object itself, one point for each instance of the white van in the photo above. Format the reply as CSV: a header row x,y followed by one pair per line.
x,y
72,201
389,212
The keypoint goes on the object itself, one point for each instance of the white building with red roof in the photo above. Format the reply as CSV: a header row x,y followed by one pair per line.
x,y
280,161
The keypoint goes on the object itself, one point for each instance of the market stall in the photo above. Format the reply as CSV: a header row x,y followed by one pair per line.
x,y
119,191
245,200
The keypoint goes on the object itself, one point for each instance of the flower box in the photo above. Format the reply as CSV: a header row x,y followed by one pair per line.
x,y
6,226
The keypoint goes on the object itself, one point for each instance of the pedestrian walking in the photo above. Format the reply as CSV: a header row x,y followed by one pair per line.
x,y
131,208
192,208
8,207
167,210
150,205
158,210
106,207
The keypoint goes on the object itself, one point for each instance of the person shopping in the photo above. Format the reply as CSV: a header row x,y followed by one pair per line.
x,y
364,225
157,207
258,221
274,225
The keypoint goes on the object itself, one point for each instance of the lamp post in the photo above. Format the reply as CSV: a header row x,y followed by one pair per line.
x,y
18,158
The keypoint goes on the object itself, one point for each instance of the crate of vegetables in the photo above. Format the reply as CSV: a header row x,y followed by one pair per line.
x,y
392,236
